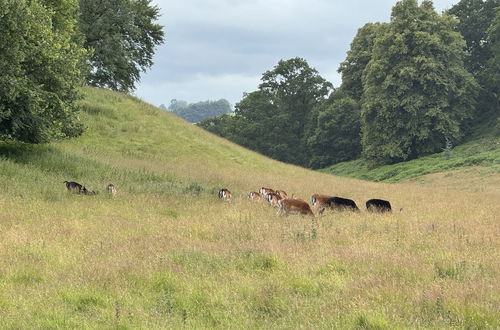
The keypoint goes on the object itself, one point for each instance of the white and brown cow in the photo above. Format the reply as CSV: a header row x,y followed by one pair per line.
x,y
272,198
264,191
319,202
294,206
225,194
254,196
282,194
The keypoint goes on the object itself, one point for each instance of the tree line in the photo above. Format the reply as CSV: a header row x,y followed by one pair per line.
x,y
408,87
196,112
50,48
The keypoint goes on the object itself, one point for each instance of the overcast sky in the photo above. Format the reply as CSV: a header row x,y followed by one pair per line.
x,y
219,48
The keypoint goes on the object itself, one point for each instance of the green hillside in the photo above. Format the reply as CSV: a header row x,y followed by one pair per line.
x,y
480,156
166,253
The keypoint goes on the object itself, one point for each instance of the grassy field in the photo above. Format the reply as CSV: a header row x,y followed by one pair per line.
x,y
166,253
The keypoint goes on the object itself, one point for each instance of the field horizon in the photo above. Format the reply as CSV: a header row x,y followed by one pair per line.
x,y
165,252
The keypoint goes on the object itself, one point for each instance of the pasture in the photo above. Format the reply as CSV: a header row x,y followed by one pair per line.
x,y
165,252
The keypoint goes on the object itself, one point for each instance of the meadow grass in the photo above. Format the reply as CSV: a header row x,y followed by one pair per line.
x,y
166,253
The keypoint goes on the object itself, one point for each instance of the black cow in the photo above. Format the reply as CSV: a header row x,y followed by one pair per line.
x,y
340,204
74,186
378,205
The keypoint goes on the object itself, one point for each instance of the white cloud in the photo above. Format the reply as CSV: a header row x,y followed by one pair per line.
x,y
220,48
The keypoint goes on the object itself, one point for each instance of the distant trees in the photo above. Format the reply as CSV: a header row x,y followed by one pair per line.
x,y
122,35
42,62
405,91
199,111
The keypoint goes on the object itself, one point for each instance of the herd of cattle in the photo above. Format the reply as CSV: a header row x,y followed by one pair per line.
x,y
286,206
277,198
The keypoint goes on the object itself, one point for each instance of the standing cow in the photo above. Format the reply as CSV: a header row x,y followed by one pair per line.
x,y
294,206
340,204
378,205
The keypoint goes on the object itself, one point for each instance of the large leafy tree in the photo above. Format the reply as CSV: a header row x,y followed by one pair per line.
x,y
335,134
280,110
475,17
41,65
334,131
416,89
491,74
122,35
274,119
358,57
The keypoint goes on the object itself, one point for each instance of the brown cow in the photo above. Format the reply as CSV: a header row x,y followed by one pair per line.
x,y
273,198
294,206
282,194
319,201
264,191
225,194
254,196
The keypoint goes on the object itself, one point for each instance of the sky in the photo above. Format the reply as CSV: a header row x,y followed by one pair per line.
x,y
220,48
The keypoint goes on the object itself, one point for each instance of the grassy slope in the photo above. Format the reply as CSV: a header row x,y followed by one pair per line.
x,y
166,253
480,157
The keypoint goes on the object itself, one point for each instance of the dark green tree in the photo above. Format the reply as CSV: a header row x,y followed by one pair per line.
x,y
416,90
42,62
358,57
336,133
490,77
475,20
475,17
274,119
122,35
280,110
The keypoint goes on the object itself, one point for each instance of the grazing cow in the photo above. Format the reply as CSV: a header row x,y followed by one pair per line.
x,y
111,189
273,198
378,205
225,194
282,194
294,206
340,204
254,196
88,192
319,201
74,186
264,191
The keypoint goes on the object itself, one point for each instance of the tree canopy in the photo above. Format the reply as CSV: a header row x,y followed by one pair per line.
x,y
273,119
42,64
416,89
122,35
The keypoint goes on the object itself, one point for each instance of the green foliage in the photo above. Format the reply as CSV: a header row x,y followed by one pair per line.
x,y
199,111
416,90
490,77
475,18
122,35
481,152
274,119
42,64
335,134
358,57
477,26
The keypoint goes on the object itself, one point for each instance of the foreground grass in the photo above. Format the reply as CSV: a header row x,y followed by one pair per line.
x,y
165,253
